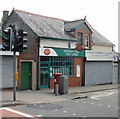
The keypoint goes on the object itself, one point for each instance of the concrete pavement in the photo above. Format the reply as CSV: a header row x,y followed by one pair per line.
x,y
47,95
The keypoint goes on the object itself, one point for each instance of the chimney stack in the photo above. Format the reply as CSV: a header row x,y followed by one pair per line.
x,y
5,15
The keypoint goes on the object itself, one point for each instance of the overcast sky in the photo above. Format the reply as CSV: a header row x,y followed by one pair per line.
x,y
101,14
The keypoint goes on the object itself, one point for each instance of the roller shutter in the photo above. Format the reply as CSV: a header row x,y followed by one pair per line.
x,y
98,73
6,71
119,73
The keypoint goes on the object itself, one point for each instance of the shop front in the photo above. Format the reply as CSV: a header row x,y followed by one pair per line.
x,y
98,68
69,62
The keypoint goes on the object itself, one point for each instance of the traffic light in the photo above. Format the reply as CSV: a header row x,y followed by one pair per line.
x,y
20,40
6,37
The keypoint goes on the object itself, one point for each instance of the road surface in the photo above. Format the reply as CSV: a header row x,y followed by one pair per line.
x,y
98,104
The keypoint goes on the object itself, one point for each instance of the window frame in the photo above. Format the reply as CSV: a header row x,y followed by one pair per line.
x,y
64,65
87,40
80,38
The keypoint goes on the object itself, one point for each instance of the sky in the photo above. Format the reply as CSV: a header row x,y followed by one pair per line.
x,y
102,15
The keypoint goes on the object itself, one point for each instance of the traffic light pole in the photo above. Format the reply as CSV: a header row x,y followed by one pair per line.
x,y
14,65
16,44
14,75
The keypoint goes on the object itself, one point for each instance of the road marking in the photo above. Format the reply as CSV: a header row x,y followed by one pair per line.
x,y
84,116
118,108
74,114
92,103
39,115
98,97
17,112
108,106
84,102
65,111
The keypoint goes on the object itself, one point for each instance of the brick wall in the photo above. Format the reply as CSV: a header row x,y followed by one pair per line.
x,y
83,37
25,57
31,52
77,81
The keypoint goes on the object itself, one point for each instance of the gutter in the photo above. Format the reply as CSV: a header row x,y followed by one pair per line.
x,y
53,38
101,44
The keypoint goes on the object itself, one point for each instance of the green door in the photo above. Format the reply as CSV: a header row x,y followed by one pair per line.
x,y
44,75
26,68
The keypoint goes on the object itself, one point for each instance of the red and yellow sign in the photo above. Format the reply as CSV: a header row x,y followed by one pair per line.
x,y
79,48
46,51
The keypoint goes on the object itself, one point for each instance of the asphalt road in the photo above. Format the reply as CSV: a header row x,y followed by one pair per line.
x,y
98,104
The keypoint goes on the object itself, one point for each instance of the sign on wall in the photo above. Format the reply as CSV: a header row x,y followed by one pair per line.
x,y
78,71
115,58
61,52
97,55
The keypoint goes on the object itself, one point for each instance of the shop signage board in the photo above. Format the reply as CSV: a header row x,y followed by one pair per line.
x,y
98,56
61,52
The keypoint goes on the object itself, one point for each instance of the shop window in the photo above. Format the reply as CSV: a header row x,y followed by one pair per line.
x,y
64,65
87,40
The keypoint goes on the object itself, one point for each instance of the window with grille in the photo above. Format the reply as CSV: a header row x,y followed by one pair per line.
x,y
64,65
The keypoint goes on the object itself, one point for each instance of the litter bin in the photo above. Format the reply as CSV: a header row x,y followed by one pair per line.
x,y
63,85
57,81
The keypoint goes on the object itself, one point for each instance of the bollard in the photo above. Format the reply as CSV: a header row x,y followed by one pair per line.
x,y
56,89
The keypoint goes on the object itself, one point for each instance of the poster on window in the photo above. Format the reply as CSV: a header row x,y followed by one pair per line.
x,y
78,71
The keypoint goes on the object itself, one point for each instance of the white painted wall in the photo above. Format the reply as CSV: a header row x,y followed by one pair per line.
x,y
56,43
102,48
64,44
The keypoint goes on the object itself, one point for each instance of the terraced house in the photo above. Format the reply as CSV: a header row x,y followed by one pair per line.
x,y
54,46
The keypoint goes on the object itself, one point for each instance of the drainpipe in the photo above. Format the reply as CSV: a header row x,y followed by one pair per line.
x,y
38,65
84,67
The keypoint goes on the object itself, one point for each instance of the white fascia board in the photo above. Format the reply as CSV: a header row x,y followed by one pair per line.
x,y
8,53
98,56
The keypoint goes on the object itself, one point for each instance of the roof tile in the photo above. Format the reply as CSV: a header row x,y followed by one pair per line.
x,y
55,27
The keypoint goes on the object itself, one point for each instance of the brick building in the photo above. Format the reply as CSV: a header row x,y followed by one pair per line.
x,y
52,44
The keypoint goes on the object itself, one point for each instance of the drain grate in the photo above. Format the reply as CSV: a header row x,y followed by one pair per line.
x,y
45,106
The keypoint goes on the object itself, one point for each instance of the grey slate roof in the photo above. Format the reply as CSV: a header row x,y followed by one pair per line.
x,y
100,39
45,26
54,27
73,24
